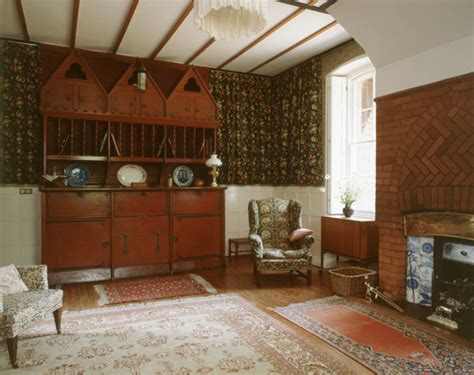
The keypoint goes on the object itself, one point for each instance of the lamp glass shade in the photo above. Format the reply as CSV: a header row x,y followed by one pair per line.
x,y
213,161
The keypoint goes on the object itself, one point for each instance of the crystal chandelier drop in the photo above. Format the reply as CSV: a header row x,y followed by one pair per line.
x,y
230,19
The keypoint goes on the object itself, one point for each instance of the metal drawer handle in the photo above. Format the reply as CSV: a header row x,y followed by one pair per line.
x,y
143,193
80,194
125,243
157,246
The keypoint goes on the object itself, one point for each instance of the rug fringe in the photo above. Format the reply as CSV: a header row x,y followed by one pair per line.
x,y
103,300
204,283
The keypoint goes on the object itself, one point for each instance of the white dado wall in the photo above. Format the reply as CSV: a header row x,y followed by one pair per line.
x,y
20,218
20,226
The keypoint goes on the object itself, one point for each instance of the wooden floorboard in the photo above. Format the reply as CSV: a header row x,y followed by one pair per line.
x,y
237,277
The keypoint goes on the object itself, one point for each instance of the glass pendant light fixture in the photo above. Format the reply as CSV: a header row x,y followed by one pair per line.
x,y
231,19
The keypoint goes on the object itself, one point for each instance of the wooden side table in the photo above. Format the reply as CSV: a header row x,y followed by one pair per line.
x,y
351,237
237,242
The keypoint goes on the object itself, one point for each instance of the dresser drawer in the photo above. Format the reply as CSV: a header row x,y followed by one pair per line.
x,y
196,201
135,203
78,205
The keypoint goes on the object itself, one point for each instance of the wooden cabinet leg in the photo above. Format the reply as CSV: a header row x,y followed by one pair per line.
x,y
230,248
57,319
309,277
237,251
322,262
12,344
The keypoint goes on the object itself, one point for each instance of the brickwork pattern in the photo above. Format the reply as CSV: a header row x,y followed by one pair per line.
x,y
425,162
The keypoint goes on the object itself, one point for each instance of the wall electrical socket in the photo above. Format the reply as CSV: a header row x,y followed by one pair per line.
x,y
26,191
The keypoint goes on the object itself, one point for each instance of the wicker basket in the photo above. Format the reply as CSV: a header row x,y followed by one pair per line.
x,y
350,280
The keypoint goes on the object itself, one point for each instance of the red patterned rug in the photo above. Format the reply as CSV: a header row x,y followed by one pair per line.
x,y
156,288
380,342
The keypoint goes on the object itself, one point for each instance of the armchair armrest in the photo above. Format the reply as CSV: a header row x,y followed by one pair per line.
x,y
308,241
256,243
35,277
304,242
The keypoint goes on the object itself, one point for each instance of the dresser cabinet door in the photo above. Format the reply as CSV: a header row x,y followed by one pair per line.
x,y
196,201
196,236
78,205
77,244
140,203
140,241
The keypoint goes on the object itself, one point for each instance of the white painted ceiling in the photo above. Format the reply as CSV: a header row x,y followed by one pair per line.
x,y
100,22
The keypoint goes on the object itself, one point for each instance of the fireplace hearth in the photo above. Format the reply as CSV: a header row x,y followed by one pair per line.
x,y
440,269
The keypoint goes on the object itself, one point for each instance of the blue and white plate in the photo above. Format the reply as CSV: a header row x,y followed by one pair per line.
x,y
77,175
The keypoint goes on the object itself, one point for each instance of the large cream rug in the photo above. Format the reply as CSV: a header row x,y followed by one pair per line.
x,y
216,334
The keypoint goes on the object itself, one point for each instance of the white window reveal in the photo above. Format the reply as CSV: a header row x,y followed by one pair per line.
x,y
351,135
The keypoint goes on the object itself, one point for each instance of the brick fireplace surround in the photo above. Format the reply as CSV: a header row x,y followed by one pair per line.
x,y
425,162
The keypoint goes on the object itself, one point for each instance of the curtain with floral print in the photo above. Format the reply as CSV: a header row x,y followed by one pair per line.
x,y
271,128
245,131
20,121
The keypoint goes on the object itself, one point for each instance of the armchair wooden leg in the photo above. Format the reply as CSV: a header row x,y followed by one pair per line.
x,y
57,319
309,277
12,344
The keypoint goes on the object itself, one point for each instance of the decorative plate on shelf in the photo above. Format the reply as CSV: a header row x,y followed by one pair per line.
x,y
131,173
77,175
183,176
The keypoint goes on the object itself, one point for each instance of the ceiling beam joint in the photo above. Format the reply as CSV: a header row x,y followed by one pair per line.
x,y
75,16
171,32
200,50
21,14
131,11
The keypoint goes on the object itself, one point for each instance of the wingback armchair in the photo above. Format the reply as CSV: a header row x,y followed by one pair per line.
x,y
271,221
19,310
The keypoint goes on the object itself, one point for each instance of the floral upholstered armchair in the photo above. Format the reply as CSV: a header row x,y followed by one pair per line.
x,y
19,310
271,221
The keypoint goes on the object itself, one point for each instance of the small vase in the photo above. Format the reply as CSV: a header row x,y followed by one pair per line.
x,y
347,211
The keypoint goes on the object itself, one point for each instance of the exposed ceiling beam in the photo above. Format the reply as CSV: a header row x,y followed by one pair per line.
x,y
321,9
133,6
264,36
296,45
21,14
200,50
75,16
175,27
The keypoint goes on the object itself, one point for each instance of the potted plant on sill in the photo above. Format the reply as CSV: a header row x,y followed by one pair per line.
x,y
349,194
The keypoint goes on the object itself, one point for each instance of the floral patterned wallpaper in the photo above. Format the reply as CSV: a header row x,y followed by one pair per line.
x,y
20,122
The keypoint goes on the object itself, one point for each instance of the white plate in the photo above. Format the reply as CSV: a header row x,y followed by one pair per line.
x,y
131,173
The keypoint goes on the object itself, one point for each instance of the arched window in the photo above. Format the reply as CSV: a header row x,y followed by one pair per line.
x,y
351,135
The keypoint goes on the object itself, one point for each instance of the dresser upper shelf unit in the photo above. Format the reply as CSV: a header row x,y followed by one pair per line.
x,y
74,89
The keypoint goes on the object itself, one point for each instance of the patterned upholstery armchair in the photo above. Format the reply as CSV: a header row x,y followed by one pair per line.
x,y
271,221
19,310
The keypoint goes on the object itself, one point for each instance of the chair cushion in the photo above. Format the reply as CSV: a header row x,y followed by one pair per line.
x,y
20,309
10,281
272,253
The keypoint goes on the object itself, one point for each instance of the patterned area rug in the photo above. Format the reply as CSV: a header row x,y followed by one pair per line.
x,y
382,343
214,334
156,288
